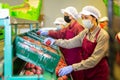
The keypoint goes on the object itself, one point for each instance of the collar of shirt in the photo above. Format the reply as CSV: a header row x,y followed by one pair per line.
x,y
72,24
93,33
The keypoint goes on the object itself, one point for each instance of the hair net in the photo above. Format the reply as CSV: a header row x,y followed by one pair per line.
x,y
72,11
59,20
103,19
91,10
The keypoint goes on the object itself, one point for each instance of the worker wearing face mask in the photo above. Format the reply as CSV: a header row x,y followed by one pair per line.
x,y
59,23
94,42
104,23
74,28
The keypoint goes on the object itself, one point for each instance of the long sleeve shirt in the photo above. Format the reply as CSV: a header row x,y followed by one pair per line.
x,y
61,34
100,51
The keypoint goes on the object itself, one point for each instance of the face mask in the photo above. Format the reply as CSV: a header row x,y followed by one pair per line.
x,y
66,18
102,25
87,23
58,27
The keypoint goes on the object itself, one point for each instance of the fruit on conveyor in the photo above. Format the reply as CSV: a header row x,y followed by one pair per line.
x,y
49,48
39,43
31,69
60,65
31,40
27,72
63,78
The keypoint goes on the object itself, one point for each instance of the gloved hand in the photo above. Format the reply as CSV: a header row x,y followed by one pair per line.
x,y
49,41
42,32
65,70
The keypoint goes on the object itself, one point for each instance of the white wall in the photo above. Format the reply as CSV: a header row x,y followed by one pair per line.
x,y
12,2
51,8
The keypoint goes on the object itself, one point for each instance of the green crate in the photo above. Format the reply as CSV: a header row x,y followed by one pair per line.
x,y
40,38
44,76
23,51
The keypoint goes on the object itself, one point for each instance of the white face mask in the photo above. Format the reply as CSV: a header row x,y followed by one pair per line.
x,y
58,27
87,23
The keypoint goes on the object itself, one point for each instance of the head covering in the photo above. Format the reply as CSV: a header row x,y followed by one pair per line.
x,y
103,19
91,10
72,11
59,20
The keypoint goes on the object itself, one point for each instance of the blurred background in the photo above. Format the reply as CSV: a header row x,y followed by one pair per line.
x,y
51,9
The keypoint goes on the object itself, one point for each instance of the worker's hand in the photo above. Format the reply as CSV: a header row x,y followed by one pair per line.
x,y
65,70
42,32
49,41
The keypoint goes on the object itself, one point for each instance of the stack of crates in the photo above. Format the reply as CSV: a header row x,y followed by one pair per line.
x,y
29,47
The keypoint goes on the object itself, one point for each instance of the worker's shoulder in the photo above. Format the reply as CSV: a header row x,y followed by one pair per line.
x,y
78,26
83,32
104,33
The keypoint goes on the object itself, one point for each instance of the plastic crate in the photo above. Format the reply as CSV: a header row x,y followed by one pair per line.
x,y
36,54
40,38
45,74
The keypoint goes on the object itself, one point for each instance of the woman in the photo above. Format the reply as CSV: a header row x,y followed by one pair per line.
x,y
74,28
104,23
94,42
59,23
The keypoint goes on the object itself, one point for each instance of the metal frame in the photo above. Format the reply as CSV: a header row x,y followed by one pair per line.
x,y
30,26
8,65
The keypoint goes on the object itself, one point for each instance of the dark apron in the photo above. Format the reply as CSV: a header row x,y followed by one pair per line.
x,y
72,55
101,70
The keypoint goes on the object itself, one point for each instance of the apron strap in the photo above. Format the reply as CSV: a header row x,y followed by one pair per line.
x,y
71,26
97,34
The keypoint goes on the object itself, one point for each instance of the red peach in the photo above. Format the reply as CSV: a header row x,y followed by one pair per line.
x,y
38,72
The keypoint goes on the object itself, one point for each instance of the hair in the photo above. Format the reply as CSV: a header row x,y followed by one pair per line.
x,y
95,17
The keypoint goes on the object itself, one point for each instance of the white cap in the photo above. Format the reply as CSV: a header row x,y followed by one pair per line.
x,y
59,20
103,19
71,10
90,10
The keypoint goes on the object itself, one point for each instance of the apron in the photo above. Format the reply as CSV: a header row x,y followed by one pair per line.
x,y
72,55
101,70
